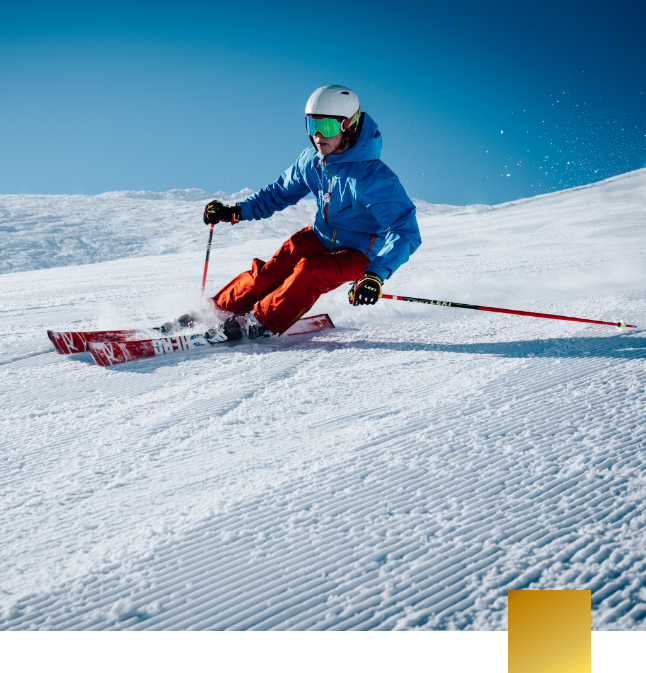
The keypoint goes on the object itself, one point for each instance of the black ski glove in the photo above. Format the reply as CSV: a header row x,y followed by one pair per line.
x,y
216,212
365,291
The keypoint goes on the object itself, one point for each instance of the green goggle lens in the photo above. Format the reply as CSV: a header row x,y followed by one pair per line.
x,y
328,127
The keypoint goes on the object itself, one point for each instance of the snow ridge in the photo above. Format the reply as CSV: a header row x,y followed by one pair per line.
x,y
46,231
403,471
432,520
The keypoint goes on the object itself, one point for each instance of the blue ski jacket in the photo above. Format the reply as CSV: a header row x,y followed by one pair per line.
x,y
361,203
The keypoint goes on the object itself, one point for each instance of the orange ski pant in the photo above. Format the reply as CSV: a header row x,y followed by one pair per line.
x,y
286,287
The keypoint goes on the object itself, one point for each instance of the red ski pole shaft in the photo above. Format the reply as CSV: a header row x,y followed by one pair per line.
x,y
453,304
206,263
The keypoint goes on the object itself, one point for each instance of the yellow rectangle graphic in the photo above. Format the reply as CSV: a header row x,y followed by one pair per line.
x,y
549,632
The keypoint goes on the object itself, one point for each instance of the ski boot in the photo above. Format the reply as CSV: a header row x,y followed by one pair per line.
x,y
244,327
186,321
215,334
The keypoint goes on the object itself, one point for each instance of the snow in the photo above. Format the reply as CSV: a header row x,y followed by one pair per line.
x,y
402,471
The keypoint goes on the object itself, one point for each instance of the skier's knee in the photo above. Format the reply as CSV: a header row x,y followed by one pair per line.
x,y
257,266
310,266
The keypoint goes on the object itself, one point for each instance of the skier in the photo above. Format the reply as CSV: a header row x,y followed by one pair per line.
x,y
365,226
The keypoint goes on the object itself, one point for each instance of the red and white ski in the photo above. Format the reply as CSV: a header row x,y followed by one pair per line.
x,y
112,352
67,343
106,353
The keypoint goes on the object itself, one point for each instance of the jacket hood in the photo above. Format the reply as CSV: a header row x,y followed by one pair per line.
x,y
367,147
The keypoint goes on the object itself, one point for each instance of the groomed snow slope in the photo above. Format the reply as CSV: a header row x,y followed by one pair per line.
x,y
402,471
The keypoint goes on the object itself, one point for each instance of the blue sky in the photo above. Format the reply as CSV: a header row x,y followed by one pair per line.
x,y
477,102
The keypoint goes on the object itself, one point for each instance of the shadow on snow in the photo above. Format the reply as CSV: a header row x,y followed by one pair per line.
x,y
623,346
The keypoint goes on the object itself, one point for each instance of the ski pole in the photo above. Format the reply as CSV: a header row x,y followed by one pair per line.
x,y
206,263
435,302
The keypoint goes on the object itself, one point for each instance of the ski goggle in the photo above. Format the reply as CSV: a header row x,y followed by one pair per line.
x,y
328,127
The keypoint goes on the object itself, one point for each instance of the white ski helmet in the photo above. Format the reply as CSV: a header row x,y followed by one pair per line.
x,y
334,101
332,109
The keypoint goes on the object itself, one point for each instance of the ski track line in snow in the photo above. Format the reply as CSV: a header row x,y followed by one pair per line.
x,y
64,444
422,524
26,356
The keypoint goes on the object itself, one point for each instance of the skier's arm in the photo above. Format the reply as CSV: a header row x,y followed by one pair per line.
x,y
388,203
286,191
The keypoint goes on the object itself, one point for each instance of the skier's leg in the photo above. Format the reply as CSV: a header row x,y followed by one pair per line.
x,y
312,277
239,295
246,289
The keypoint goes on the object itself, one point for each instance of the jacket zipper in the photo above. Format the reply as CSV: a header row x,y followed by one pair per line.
x,y
327,203
333,239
